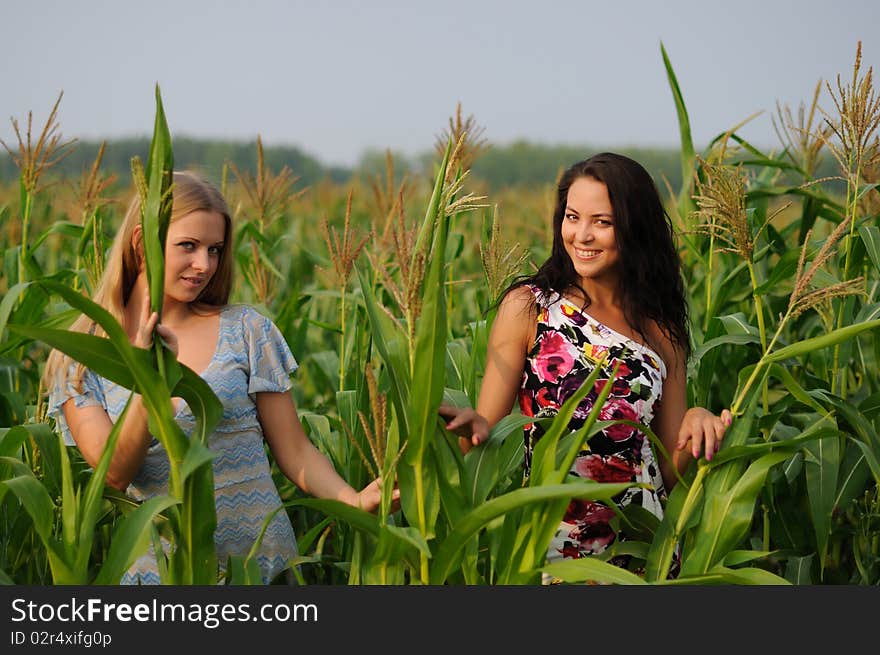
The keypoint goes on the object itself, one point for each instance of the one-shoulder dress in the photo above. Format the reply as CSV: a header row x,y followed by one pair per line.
x,y
251,357
568,345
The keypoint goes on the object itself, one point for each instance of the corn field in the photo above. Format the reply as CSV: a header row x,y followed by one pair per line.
x,y
384,289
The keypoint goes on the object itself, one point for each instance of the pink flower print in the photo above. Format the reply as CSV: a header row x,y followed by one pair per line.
x,y
594,538
587,511
590,528
553,360
615,408
604,469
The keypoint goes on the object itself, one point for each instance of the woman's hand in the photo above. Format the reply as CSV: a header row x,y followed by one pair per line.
x,y
704,430
472,428
370,497
149,323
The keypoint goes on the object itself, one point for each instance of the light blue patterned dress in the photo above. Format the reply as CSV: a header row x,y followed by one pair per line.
x,y
251,356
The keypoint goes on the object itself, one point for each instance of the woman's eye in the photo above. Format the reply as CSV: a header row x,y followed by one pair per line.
x,y
215,250
186,245
571,217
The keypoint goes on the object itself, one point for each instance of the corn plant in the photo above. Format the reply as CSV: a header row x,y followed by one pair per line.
x,y
818,435
156,375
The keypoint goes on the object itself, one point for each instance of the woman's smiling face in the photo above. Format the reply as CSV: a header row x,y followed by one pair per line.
x,y
588,231
192,254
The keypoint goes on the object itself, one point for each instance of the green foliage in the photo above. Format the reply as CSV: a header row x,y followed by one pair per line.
x,y
784,333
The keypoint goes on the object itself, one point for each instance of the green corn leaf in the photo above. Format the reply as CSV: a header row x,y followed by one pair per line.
x,y
854,473
305,541
426,232
782,271
863,428
243,571
36,501
817,431
797,569
832,338
727,516
389,341
687,144
727,576
495,459
91,501
481,516
130,539
738,557
870,458
70,510
197,455
591,569
198,521
357,518
665,540
50,456
96,353
738,324
734,339
640,523
193,560
200,398
681,508
16,468
11,467
419,486
795,389
870,235
156,208
64,228
544,453
10,300
101,356
410,536
575,447
821,477
12,438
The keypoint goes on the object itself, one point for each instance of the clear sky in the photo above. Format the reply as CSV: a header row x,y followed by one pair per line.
x,y
336,78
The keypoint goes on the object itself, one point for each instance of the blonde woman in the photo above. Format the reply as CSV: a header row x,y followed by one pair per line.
x,y
237,351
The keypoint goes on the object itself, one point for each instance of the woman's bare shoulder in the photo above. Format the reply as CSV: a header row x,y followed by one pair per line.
x,y
661,341
519,300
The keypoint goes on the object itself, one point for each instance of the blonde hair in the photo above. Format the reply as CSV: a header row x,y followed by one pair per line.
x,y
190,192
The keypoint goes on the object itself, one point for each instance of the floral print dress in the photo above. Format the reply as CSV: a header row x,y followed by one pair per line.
x,y
568,345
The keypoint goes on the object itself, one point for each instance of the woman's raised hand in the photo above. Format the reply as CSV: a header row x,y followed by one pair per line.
x,y
704,430
149,323
370,497
472,428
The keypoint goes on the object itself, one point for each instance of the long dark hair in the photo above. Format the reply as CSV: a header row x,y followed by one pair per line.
x,y
650,276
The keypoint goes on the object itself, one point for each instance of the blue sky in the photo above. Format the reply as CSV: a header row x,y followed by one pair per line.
x,y
336,78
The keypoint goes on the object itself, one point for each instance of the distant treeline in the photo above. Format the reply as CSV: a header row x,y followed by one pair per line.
x,y
207,156
524,163
517,164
